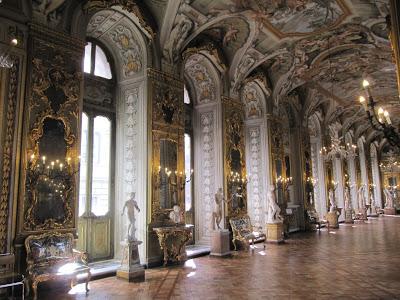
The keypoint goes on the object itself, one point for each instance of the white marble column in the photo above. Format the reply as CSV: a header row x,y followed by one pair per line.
x,y
318,175
257,162
376,177
208,166
338,178
351,165
131,162
363,167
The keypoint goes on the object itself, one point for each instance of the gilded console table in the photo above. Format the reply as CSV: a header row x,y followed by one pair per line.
x,y
173,240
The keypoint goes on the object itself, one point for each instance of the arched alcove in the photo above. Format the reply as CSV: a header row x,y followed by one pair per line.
x,y
318,166
115,30
257,154
204,85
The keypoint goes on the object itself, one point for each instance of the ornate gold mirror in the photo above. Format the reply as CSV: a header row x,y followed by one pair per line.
x,y
168,174
50,177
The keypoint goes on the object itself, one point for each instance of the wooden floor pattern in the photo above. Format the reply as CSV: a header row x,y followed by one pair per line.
x,y
360,261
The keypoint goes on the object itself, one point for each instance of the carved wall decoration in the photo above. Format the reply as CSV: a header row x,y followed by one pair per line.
x,y
8,157
202,81
127,5
130,140
167,100
51,152
130,50
252,101
208,187
256,178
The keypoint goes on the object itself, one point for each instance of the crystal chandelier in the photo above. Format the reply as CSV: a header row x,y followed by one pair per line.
x,y
5,59
378,117
336,150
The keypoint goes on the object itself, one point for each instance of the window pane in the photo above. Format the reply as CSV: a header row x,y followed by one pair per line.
x,y
186,98
88,58
83,165
188,172
101,165
102,67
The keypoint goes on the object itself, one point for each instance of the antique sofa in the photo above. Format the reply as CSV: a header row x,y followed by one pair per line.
x,y
314,219
243,231
51,256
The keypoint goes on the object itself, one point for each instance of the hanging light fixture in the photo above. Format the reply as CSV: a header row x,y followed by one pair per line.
x,y
378,117
5,59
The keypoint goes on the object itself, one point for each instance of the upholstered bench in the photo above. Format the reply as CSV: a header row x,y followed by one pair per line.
x,y
243,231
313,218
51,256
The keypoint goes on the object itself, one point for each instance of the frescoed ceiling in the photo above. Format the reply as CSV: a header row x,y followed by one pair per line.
x,y
323,48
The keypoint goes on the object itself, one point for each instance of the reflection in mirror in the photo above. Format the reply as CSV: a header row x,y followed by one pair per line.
x,y
50,171
278,164
287,165
168,174
279,189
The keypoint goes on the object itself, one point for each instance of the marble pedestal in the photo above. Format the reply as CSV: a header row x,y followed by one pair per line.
x,y
131,269
373,212
389,211
332,218
275,233
348,216
363,213
220,243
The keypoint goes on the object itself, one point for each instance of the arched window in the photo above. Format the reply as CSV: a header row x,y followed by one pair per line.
x,y
96,188
189,203
96,61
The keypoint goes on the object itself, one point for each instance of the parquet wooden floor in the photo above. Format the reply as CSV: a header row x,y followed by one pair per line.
x,y
360,261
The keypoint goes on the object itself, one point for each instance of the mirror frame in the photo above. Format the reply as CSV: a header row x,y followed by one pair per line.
x,y
177,138
31,180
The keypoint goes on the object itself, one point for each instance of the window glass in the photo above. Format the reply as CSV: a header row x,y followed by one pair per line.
x,y
102,67
83,165
101,165
188,170
88,58
186,98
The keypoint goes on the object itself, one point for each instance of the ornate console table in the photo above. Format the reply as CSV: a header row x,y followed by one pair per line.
x,y
172,241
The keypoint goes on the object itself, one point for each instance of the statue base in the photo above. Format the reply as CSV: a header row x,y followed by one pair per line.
x,y
332,218
131,269
348,216
275,233
220,243
363,213
389,211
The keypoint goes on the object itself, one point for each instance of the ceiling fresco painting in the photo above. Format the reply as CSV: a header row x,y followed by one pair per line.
x,y
314,53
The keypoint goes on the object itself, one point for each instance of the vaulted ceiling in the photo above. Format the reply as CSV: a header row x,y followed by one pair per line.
x,y
321,49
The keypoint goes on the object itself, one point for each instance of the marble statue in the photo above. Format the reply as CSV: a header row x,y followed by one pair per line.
x,y
176,215
347,203
361,197
131,205
389,202
218,209
332,202
273,208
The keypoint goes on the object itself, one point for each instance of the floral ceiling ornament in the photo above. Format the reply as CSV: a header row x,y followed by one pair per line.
x,y
131,51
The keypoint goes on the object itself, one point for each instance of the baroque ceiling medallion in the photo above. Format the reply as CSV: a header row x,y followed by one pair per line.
x,y
303,17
